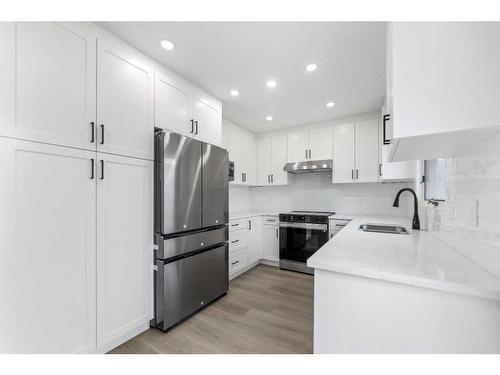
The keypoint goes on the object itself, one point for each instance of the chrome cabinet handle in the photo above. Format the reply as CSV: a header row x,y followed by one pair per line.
x,y
92,137
235,225
306,154
357,174
277,232
102,134
249,224
380,169
192,126
102,169
196,123
272,178
309,153
235,241
352,174
92,168
233,263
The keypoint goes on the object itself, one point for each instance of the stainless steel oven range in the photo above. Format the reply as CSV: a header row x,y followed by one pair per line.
x,y
301,234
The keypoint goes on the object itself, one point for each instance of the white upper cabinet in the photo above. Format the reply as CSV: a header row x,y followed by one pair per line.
x,y
242,151
125,82
313,144
367,148
343,153
48,248
271,158
356,152
48,82
124,247
392,171
264,161
279,149
298,146
443,80
320,144
207,115
185,109
173,104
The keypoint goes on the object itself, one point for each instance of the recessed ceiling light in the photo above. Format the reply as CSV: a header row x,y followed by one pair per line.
x,y
330,104
271,84
311,67
167,44
269,118
235,92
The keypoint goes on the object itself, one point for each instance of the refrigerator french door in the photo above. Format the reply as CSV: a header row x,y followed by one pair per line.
x,y
191,216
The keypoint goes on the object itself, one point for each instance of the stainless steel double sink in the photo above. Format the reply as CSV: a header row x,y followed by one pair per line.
x,y
383,228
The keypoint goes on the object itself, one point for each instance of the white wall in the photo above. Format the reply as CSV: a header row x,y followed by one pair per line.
x,y
316,192
469,219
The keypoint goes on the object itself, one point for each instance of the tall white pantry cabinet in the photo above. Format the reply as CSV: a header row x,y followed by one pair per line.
x,y
76,198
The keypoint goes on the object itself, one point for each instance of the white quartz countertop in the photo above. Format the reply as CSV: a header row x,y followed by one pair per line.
x,y
419,259
245,214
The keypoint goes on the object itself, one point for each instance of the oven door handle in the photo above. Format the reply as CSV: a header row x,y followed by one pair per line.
x,y
323,227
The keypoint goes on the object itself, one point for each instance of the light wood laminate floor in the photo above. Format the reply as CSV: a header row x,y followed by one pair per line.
x,y
267,310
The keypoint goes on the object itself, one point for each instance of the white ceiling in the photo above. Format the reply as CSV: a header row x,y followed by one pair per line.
x,y
220,56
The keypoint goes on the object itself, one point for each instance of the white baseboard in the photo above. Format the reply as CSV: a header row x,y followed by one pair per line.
x,y
122,339
270,262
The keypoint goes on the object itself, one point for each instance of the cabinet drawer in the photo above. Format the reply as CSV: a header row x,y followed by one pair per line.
x,y
238,239
238,224
237,261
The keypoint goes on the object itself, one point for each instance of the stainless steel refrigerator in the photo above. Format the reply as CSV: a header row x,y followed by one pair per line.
x,y
191,216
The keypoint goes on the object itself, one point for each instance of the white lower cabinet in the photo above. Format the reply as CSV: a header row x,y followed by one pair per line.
x,y
247,243
254,239
124,247
270,239
47,249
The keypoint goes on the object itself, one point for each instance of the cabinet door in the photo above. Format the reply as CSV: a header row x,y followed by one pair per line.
x,y
125,100
393,171
343,153
367,147
47,249
298,146
320,144
264,161
254,239
207,118
279,159
226,136
270,234
173,104
236,153
47,82
249,159
124,247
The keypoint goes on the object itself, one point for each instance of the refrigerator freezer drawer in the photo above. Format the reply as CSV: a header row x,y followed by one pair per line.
x,y
186,285
171,247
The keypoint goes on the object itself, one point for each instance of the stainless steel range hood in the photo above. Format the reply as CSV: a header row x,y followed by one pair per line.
x,y
313,166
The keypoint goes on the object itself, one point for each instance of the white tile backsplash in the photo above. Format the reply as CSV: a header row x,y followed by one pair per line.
x,y
316,192
469,219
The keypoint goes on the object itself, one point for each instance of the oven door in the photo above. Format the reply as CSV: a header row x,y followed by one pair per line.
x,y
298,241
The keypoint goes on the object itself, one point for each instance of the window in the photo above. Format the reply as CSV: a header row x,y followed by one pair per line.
x,y
434,180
